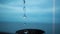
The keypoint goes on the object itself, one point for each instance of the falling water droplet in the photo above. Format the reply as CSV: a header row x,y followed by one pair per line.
x,y
24,16
24,7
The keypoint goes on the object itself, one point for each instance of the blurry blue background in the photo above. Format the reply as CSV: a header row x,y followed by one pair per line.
x,y
57,17
39,15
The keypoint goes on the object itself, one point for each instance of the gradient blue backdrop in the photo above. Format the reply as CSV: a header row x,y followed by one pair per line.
x,y
39,15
